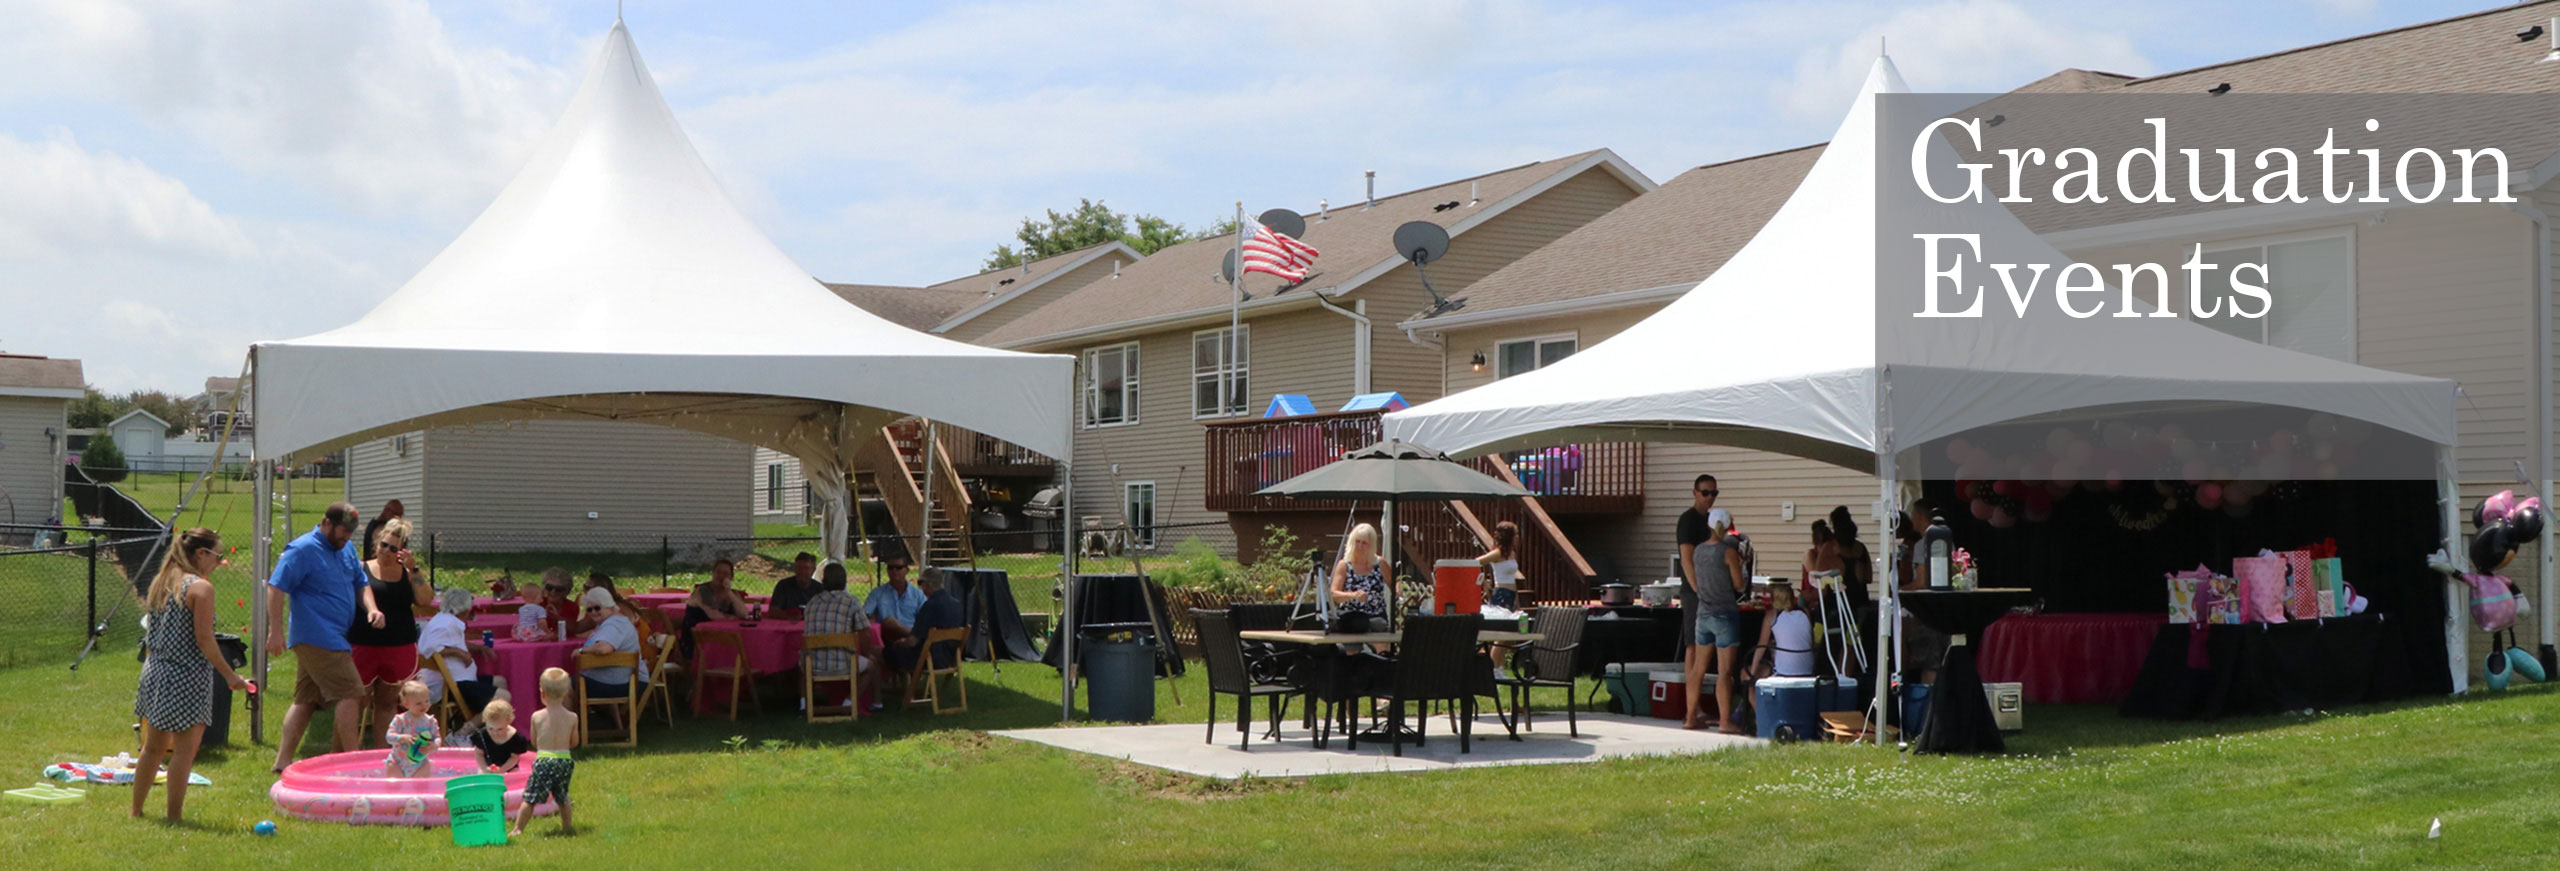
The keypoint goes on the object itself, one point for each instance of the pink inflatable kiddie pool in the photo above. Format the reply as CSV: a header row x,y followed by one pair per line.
x,y
350,788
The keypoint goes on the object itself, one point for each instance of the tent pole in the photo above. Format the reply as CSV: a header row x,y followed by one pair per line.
x,y
2457,640
1067,553
1888,656
1387,552
261,548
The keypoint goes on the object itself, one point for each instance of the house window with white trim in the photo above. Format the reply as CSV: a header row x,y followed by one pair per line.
x,y
1111,385
773,486
1218,379
1524,355
2311,290
1138,506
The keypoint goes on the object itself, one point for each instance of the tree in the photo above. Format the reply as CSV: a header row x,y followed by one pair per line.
x,y
92,410
1091,223
102,459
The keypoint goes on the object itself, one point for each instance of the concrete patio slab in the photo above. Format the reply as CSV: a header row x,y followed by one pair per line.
x,y
1179,748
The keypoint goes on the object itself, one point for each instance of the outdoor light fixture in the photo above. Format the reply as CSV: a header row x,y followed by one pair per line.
x,y
1476,362
1939,541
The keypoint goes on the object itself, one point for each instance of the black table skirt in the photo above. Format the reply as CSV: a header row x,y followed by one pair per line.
x,y
2272,668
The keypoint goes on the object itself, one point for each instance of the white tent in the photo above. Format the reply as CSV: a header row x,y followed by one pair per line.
x,y
1779,350
613,280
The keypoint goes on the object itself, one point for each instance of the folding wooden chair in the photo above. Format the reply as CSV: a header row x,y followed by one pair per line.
x,y
454,709
810,679
627,705
657,688
926,678
736,672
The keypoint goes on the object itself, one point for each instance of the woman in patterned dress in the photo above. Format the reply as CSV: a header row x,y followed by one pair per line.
x,y
175,699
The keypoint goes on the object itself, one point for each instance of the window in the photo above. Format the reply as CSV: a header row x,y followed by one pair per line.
x,y
1522,355
1111,385
2311,291
1214,375
1138,506
773,487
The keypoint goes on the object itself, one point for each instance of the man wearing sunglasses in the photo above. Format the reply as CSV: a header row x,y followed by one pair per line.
x,y
1691,533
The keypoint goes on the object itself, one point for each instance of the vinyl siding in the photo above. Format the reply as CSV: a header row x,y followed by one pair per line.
x,y
1755,485
1415,369
1048,292
1165,445
30,463
377,474
541,478
795,498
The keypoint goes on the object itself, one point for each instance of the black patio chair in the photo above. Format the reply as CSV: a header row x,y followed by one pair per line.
x,y
1222,652
1547,663
1436,661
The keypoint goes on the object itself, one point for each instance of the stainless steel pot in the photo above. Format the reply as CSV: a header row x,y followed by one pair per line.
x,y
1617,594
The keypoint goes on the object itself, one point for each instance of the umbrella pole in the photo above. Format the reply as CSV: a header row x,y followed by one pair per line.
x,y
1387,552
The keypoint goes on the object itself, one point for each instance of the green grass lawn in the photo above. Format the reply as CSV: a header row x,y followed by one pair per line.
x,y
911,790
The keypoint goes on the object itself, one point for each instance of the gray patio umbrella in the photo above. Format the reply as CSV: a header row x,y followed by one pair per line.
x,y
1393,471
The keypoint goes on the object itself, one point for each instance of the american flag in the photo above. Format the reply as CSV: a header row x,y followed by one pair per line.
x,y
1274,253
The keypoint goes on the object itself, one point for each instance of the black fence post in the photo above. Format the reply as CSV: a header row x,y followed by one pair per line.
x,y
431,558
91,627
666,555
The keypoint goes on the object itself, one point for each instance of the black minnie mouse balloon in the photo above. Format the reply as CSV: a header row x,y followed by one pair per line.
x,y
2491,548
2524,524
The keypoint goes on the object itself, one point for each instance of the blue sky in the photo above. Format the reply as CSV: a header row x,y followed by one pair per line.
x,y
182,179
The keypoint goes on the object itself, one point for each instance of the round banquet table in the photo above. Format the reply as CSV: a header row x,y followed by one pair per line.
x,y
2070,659
487,605
521,663
1959,714
502,624
773,647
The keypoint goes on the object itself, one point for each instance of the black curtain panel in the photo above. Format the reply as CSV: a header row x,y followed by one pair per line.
x,y
2107,551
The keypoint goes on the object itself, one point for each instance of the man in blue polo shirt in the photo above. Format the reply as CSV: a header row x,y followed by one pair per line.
x,y
319,578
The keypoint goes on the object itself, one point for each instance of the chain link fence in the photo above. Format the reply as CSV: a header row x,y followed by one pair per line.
x,y
52,598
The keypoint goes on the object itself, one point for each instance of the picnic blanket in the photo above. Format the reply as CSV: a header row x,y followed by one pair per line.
x,y
114,770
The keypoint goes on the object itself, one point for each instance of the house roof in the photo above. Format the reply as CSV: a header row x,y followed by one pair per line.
x,y
28,375
2075,81
2474,53
1354,239
121,418
995,287
1668,239
220,385
916,308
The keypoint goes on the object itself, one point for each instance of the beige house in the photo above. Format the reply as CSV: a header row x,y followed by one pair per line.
x,y
35,397
556,485
1169,434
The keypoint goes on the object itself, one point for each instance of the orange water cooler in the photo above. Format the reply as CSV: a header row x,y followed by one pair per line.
x,y
1454,589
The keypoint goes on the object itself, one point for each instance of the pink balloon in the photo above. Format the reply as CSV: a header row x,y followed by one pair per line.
x,y
2004,488
2499,506
2000,519
2209,491
2195,471
1981,509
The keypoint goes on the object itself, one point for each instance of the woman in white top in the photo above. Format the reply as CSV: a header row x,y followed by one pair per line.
x,y
445,635
1502,564
1786,638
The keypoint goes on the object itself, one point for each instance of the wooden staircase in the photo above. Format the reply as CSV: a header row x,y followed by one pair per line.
x,y
892,466
1552,569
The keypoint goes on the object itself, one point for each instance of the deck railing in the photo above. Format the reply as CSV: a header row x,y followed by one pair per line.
x,y
1245,456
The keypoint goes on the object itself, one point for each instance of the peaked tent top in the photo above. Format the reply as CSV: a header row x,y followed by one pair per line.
x,y
613,265
1779,348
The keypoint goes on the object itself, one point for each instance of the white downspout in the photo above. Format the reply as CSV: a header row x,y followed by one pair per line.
x,y
2546,569
1439,345
1359,315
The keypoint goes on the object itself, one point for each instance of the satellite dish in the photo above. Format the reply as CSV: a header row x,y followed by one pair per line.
x,y
1421,242
1284,222
1227,271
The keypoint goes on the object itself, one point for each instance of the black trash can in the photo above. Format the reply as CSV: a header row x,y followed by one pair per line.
x,y
1119,676
217,731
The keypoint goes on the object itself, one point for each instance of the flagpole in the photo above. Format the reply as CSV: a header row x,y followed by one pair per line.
x,y
1235,318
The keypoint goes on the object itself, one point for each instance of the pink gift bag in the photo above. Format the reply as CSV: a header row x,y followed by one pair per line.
x,y
2263,586
2301,598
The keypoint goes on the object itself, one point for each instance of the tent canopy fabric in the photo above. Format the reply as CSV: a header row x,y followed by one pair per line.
x,y
613,279
1784,347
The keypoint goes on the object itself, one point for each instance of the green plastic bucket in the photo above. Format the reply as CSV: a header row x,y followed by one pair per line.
x,y
477,804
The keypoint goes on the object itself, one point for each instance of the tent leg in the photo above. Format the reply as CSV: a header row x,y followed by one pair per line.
x,y
262,543
2457,641
1067,588
1888,658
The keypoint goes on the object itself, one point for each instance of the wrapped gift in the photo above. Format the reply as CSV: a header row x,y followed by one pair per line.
x,y
2328,574
2301,601
2328,603
2218,599
2263,587
2182,599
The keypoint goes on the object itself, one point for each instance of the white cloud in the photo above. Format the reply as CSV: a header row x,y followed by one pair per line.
x,y
367,103
1960,46
64,198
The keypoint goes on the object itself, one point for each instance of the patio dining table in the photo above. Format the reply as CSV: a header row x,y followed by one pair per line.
x,y
1318,638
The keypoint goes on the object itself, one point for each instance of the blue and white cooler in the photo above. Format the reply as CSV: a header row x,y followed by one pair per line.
x,y
1790,703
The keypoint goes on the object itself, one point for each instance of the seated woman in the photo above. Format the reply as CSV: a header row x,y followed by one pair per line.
x,y
445,635
1359,588
614,634
1786,637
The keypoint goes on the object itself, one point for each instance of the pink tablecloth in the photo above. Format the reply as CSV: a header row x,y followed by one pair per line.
x,y
2072,659
521,663
773,646
503,624
487,605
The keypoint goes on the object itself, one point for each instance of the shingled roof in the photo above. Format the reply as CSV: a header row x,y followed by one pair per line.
x,y
924,308
1354,238
28,375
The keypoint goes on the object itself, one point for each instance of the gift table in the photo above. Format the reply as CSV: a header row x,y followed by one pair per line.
x,y
2066,658
1959,714
2269,668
